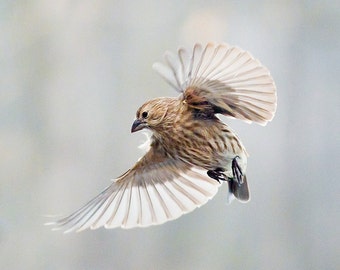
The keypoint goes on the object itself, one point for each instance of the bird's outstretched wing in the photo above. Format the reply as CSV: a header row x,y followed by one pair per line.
x,y
226,79
155,190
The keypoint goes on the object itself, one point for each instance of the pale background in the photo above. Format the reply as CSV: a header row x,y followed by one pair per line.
x,y
72,75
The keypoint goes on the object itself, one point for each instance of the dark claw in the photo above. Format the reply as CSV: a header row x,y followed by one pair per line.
x,y
217,174
237,171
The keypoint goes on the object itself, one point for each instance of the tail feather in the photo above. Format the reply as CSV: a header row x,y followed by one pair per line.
x,y
239,190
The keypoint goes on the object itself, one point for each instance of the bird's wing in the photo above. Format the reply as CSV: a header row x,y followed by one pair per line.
x,y
226,78
155,190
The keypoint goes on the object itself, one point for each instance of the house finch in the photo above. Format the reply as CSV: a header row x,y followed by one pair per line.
x,y
192,152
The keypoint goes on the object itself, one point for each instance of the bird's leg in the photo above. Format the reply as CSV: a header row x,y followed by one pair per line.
x,y
218,175
237,171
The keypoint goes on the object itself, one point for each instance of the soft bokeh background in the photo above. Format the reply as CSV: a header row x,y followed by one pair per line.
x,y
73,73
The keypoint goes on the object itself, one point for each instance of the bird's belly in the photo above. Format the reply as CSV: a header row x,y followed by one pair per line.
x,y
217,152
226,163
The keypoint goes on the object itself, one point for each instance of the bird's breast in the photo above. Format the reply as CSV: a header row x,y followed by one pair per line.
x,y
206,143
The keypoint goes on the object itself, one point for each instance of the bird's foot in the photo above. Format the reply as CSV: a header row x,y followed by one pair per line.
x,y
237,171
218,175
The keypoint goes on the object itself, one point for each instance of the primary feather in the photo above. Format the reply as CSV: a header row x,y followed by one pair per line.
x,y
227,77
155,190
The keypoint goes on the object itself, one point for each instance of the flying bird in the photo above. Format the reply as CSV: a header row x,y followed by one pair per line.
x,y
192,152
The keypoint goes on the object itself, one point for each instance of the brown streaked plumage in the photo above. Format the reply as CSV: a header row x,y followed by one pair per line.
x,y
191,149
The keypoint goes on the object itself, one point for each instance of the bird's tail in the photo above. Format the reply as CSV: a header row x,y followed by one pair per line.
x,y
240,191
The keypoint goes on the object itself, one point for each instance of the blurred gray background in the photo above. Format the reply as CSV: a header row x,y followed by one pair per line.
x,y
72,75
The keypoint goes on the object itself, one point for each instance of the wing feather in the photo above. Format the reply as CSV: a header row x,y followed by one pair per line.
x,y
229,78
155,190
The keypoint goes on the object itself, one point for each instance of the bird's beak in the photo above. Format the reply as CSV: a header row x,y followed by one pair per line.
x,y
137,125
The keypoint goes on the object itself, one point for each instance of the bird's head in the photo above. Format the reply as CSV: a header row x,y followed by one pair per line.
x,y
152,114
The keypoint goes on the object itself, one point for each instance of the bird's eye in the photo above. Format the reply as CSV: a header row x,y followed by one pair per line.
x,y
145,114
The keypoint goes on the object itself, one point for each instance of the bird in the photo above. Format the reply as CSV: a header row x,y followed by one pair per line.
x,y
192,152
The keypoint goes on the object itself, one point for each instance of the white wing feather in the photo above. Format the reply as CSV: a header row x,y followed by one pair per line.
x,y
146,196
229,77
